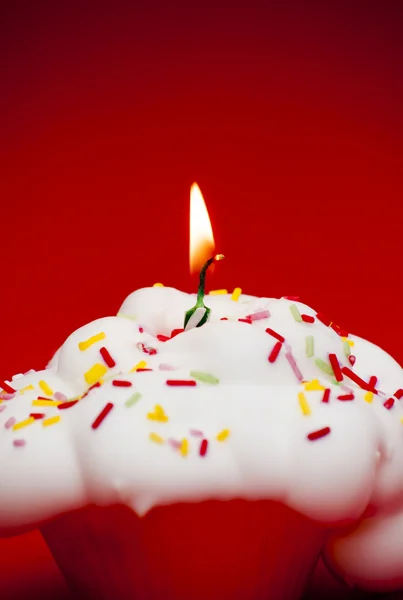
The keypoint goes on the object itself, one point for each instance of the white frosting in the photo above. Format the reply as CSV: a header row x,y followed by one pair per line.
x,y
267,454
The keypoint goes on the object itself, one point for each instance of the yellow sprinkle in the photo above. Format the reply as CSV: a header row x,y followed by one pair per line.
x,y
26,388
51,421
22,424
154,437
158,414
1,401
95,373
158,285
368,397
46,402
184,449
217,292
140,365
235,294
92,340
223,435
45,388
349,342
313,386
401,419
303,402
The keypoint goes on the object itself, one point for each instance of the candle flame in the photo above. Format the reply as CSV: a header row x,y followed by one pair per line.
x,y
201,234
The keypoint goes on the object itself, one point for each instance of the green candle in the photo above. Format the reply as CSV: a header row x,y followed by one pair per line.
x,y
200,294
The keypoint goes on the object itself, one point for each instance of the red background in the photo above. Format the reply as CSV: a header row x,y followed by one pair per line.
x,y
287,114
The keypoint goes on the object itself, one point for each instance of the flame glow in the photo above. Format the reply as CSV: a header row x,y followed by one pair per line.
x,y
201,246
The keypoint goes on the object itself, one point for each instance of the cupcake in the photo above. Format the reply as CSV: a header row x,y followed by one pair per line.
x,y
213,462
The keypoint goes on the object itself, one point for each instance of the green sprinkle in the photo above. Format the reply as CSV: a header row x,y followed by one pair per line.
x,y
324,366
309,345
335,382
124,316
346,347
133,399
204,377
295,313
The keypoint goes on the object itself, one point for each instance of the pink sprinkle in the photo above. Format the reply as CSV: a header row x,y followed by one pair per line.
x,y
10,422
389,403
294,366
258,316
2,408
326,395
164,367
174,443
196,432
19,443
60,396
119,383
4,396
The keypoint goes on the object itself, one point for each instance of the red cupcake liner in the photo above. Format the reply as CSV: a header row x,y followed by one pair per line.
x,y
230,550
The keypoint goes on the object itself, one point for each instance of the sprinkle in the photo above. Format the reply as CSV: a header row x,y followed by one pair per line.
x,y
60,396
45,402
323,366
236,293
294,298
398,394
316,435
323,318
140,365
294,366
104,412
163,338
175,332
313,386
346,397
275,334
51,421
303,403
308,319
345,339
158,414
120,383
66,405
275,352
184,447
341,332
295,313
309,345
389,403
204,377
203,447
26,388
336,367
95,373
7,388
107,357
158,285
354,377
19,443
373,381
133,399
37,416
2,408
124,316
368,397
24,423
142,370
352,359
224,319
141,330
46,389
326,395
217,292
92,340
174,443
247,319
146,349
346,347
196,432
180,382
258,316
4,396
10,422
154,437
222,435
165,367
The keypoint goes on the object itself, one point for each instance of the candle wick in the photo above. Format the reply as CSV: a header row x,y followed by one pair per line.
x,y
201,292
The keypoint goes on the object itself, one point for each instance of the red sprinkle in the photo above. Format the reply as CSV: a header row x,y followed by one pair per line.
x,y
107,358
224,319
354,377
326,395
398,394
7,388
104,412
373,380
295,298
352,359
275,334
119,383
175,332
37,415
246,320
43,398
316,435
346,397
203,448
389,403
323,318
275,351
336,367
181,382
341,332
142,370
163,338
141,330
68,404
308,318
